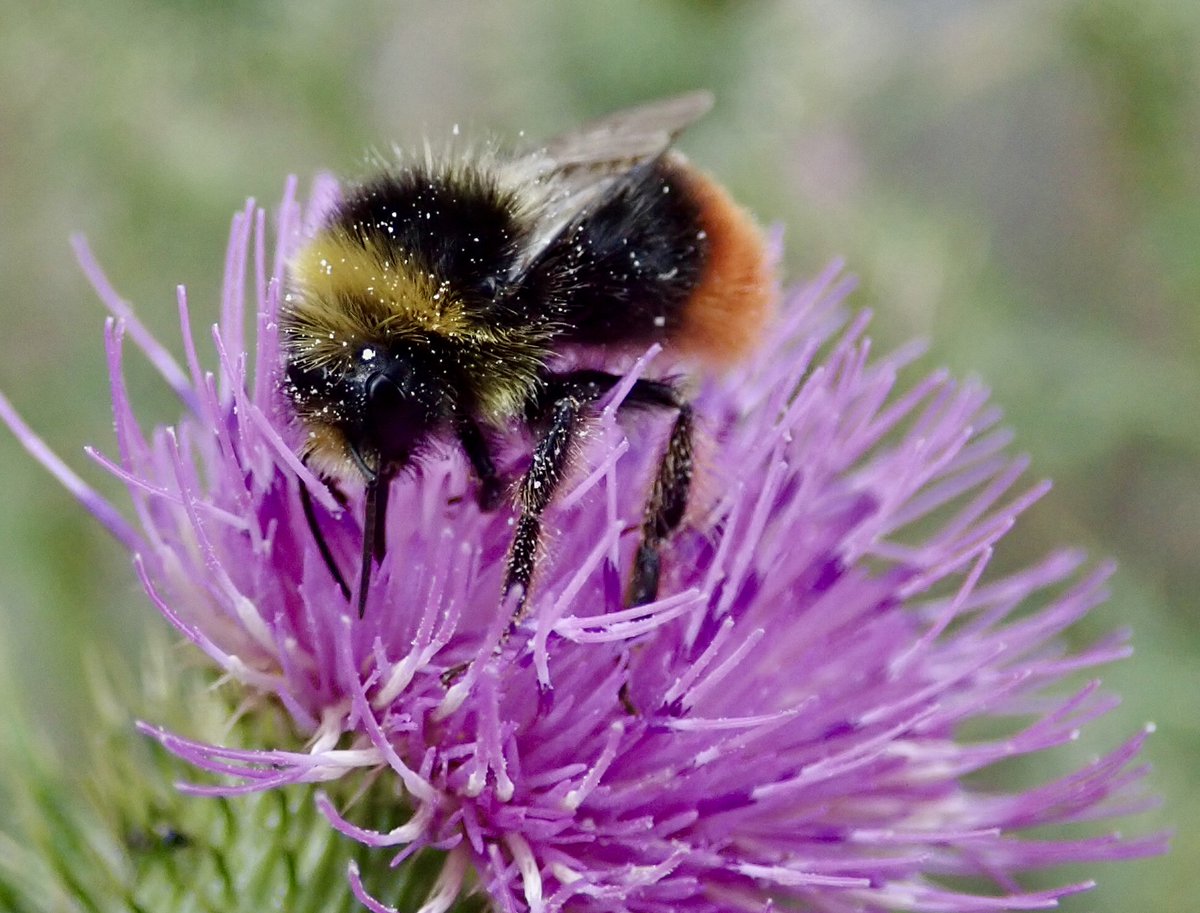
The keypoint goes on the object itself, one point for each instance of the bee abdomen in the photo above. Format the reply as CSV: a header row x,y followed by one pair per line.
x,y
624,270
726,311
666,256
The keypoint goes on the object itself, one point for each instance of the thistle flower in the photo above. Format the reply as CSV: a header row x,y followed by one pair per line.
x,y
782,727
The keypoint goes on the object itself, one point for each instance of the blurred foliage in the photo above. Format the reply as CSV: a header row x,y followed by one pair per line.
x,y
115,836
1017,181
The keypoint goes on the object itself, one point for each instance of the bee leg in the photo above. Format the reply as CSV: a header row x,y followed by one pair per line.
x,y
665,509
310,515
476,449
546,471
668,497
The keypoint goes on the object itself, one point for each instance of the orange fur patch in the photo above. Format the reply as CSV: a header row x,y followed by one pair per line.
x,y
725,315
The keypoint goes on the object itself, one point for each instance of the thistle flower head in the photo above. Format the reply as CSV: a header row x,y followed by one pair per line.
x,y
782,727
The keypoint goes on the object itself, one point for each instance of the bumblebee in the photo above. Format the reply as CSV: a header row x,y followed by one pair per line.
x,y
433,302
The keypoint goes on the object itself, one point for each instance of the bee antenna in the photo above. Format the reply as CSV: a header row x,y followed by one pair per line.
x,y
310,514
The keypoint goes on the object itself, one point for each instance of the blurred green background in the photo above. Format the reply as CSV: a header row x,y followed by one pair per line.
x,y
1017,182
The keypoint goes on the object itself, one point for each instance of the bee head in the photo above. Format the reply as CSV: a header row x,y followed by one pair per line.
x,y
378,409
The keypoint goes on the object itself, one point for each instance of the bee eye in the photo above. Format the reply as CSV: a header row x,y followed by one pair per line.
x,y
383,394
392,419
401,408
489,286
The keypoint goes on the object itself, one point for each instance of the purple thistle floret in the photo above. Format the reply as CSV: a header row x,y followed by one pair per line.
x,y
779,728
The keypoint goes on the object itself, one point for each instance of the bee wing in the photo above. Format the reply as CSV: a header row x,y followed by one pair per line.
x,y
573,169
623,139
